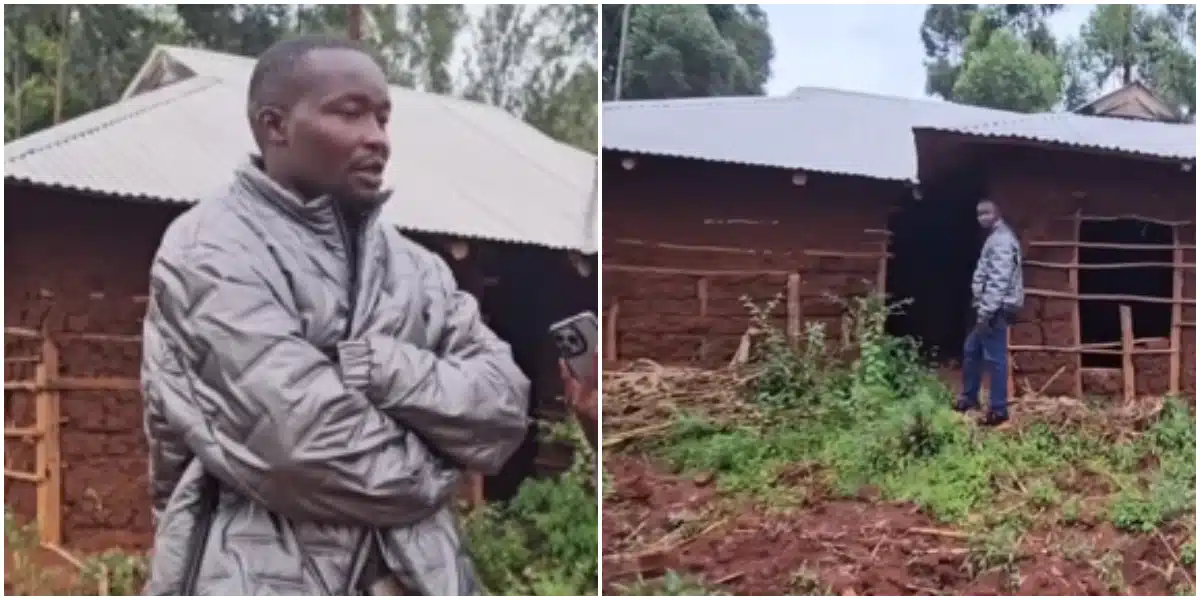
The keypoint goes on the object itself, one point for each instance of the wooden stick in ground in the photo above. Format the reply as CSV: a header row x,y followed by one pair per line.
x,y
1046,385
702,297
1174,556
954,535
621,438
793,309
610,331
1076,327
1176,317
1127,374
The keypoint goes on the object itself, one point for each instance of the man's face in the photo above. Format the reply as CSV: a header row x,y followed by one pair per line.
x,y
985,213
334,138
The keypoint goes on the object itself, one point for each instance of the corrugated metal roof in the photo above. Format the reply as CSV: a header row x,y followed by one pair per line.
x,y
851,133
813,129
459,167
1138,137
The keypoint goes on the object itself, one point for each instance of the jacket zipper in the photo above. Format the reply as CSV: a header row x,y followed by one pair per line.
x,y
353,250
354,260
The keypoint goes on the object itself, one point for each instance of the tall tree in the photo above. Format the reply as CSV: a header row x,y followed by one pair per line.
x,y
1122,43
561,95
106,45
688,50
1003,71
433,31
948,29
243,29
537,64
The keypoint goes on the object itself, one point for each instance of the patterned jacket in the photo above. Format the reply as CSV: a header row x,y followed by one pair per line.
x,y
998,283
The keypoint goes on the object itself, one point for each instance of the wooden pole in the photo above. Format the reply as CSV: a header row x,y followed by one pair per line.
x,y
48,458
1176,318
1127,372
702,296
793,309
64,42
354,22
1076,328
610,331
881,275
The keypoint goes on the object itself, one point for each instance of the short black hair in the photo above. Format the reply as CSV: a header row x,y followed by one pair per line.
x,y
277,63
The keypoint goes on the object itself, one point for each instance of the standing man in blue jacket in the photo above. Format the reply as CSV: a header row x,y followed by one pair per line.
x,y
997,292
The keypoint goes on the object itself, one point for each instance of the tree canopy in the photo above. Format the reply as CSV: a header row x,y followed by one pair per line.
x,y
536,63
687,50
1005,56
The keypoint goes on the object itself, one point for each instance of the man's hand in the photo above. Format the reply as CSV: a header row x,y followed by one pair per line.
x,y
583,398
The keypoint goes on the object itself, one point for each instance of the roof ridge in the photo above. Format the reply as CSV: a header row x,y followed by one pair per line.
x,y
201,84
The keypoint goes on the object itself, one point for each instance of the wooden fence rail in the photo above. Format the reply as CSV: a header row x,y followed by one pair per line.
x,y
704,278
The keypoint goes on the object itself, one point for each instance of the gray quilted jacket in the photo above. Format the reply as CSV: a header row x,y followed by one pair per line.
x,y
998,282
305,424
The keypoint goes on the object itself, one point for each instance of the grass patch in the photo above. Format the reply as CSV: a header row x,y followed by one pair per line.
x,y
670,584
870,413
33,571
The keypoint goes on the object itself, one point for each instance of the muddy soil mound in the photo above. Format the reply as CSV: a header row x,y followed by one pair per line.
x,y
655,522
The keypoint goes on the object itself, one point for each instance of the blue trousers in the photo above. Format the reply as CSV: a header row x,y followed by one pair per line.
x,y
987,347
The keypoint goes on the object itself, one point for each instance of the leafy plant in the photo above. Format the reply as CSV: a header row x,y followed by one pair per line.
x,y
542,542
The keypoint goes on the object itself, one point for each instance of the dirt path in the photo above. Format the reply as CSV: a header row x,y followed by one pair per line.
x,y
655,522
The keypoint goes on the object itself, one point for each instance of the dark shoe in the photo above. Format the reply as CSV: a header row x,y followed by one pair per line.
x,y
992,419
963,405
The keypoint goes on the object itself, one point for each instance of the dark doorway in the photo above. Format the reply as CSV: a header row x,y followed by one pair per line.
x,y
529,289
935,242
524,289
1128,272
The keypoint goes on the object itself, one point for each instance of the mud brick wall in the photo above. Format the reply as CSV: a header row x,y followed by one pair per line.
x,y
1038,191
76,264
762,223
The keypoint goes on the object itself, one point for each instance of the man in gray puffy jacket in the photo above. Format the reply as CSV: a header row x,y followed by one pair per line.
x,y
314,382
997,292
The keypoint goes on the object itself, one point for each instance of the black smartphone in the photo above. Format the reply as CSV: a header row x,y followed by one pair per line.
x,y
576,338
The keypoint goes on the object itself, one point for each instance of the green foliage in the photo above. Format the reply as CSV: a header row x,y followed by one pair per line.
x,y
1004,72
1117,44
1169,491
112,573
676,50
871,414
115,572
670,584
542,542
538,64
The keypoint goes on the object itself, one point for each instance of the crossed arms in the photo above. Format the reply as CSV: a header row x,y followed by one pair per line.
x,y
273,418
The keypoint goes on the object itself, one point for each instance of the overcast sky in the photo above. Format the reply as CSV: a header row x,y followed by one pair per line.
x,y
863,48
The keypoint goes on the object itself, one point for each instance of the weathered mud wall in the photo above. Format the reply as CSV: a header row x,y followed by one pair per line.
x,y
670,224
76,265
1039,191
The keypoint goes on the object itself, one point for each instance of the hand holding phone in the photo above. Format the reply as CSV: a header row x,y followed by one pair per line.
x,y
576,339
578,367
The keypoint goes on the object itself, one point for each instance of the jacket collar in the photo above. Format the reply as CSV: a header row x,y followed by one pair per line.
x,y
321,214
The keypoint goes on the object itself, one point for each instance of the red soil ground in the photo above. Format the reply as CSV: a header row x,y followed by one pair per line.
x,y
849,547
